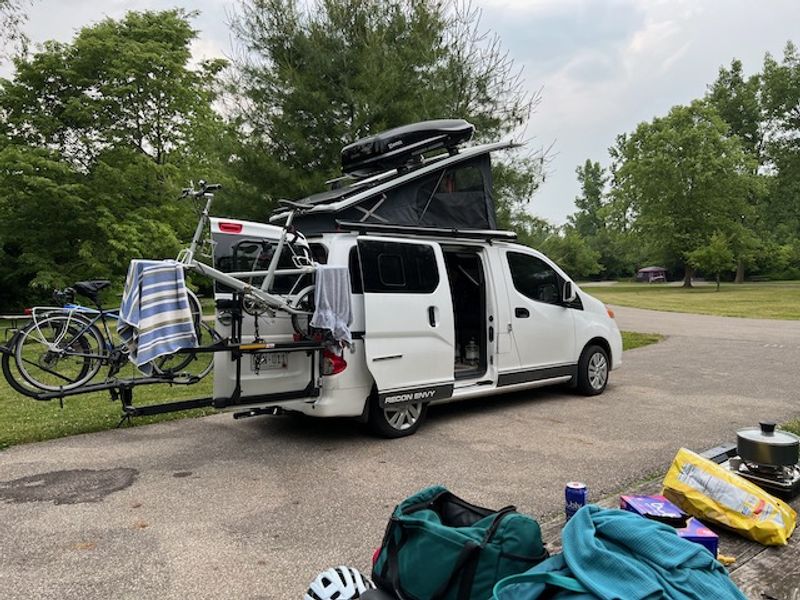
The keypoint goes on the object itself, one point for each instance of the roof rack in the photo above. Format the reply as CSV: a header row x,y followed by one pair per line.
x,y
471,234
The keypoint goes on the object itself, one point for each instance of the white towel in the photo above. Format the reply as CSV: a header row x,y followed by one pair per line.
x,y
155,318
333,310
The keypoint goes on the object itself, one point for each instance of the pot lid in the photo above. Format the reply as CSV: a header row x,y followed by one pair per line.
x,y
767,434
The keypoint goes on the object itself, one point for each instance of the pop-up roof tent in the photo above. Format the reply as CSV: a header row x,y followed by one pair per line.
x,y
389,182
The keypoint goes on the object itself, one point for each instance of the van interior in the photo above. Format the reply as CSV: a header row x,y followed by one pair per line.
x,y
468,290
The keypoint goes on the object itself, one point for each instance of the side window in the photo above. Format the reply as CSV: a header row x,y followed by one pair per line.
x,y
356,286
395,267
534,278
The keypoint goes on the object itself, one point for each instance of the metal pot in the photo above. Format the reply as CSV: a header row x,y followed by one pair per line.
x,y
765,446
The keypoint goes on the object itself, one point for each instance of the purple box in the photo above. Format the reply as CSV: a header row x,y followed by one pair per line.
x,y
696,532
657,508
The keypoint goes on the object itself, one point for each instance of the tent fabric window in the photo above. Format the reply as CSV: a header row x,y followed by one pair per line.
x,y
439,195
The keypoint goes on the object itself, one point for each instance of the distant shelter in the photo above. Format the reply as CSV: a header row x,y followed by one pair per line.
x,y
651,274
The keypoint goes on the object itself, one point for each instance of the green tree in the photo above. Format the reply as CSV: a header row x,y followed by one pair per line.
x,y
118,83
606,232
681,178
713,258
12,18
572,253
588,220
737,99
315,77
96,138
781,104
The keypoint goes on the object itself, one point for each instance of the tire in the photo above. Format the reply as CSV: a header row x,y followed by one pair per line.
x,y
197,365
593,369
395,422
302,322
12,375
61,351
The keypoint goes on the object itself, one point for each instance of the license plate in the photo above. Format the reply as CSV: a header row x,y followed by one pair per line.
x,y
269,360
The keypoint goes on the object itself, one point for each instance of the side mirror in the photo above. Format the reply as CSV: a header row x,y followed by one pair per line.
x,y
568,293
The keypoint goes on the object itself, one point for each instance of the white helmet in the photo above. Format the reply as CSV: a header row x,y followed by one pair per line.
x,y
338,583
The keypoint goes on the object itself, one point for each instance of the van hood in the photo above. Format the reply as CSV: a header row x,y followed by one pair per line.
x,y
592,304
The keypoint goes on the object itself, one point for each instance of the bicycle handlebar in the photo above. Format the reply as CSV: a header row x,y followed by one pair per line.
x,y
203,189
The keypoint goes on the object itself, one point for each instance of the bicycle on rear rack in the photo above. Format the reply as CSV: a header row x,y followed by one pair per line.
x,y
298,303
64,347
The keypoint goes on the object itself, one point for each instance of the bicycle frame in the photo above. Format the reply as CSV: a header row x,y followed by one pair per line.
x,y
261,294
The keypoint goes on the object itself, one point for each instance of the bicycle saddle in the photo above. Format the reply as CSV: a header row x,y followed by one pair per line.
x,y
90,289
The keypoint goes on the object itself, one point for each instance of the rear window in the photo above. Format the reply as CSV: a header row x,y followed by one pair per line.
x,y
395,267
234,253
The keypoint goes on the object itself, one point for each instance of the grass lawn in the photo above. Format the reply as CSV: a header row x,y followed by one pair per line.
x,y
24,419
632,339
793,426
769,300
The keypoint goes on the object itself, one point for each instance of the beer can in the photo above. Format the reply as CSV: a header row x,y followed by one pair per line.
x,y
576,495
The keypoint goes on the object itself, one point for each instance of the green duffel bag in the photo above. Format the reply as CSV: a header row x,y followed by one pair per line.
x,y
439,547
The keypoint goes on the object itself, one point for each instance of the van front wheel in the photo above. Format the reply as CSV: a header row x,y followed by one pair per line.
x,y
593,368
395,421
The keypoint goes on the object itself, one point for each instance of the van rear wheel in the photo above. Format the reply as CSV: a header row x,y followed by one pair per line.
x,y
395,421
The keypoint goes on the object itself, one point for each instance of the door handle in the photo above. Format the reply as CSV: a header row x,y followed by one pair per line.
x,y
432,316
521,313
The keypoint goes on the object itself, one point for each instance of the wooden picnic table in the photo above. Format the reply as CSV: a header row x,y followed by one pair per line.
x,y
761,572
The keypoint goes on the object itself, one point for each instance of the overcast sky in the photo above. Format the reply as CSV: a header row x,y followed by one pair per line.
x,y
604,66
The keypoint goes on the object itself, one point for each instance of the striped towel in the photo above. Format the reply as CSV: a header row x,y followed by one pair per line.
x,y
155,318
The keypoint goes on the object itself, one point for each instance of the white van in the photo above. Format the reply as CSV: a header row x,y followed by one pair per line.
x,y
439,313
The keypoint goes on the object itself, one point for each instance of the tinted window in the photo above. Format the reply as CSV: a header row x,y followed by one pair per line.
x,y
355,271
319,253
534,278
394,267
233,253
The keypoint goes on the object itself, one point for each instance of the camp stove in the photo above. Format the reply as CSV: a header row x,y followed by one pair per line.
x,y
765,456
782,480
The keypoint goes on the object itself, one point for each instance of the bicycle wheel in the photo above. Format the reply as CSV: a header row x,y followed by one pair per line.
x,y
12,375
196,365
301,322
61,351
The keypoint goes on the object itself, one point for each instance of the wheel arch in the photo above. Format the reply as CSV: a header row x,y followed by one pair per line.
x,y
603,343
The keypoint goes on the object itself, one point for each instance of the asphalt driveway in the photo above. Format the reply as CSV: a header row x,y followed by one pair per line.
x,y
216,508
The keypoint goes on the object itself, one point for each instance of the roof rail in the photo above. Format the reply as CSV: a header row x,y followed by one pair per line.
x,y
472,234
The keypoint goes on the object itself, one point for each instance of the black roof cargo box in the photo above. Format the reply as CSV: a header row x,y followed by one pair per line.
x,y
397,147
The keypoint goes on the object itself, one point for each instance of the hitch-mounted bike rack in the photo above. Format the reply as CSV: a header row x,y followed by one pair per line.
x,y
122,389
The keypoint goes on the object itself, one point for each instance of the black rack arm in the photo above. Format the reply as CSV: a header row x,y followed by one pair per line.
x,y
471,234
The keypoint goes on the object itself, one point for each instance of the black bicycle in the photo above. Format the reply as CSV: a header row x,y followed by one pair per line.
x,y
66,346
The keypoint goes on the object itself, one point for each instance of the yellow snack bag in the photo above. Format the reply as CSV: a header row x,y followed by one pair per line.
x,y
708,491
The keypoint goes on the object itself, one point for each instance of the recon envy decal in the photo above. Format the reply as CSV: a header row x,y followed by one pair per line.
x,y
424,394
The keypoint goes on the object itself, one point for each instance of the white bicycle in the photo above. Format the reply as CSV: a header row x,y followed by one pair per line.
x,y
298,302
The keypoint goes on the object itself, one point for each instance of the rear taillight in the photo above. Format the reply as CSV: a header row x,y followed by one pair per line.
x,y
332,364
227,227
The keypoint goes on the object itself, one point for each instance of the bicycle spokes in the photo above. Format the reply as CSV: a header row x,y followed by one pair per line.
x,y
58,351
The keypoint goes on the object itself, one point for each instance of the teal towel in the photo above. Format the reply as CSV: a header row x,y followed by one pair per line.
x,y
617,555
